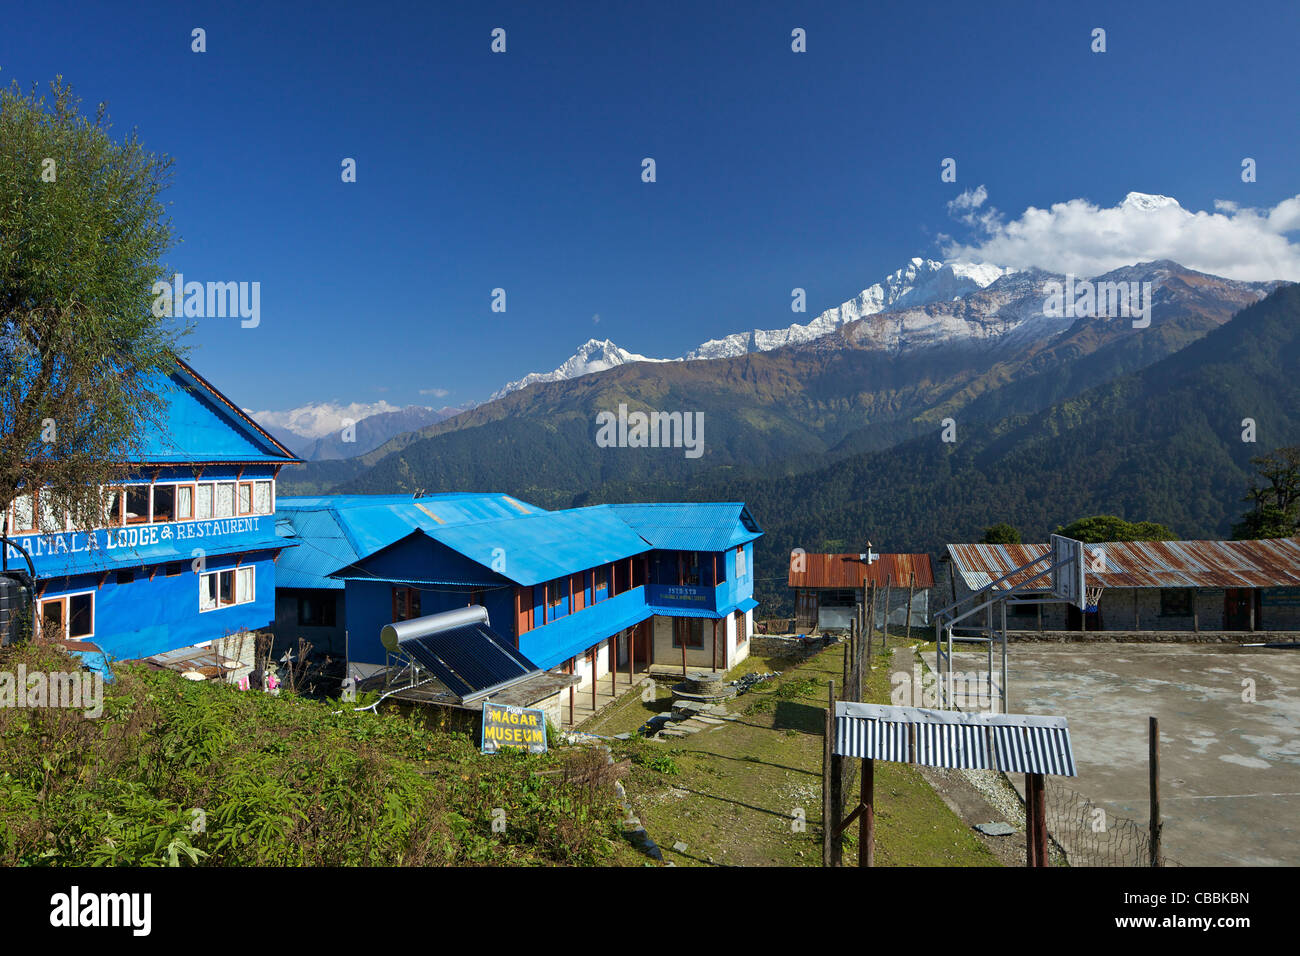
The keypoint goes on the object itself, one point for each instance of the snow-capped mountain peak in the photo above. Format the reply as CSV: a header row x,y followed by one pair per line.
x,y
1148,201
595,355
919,282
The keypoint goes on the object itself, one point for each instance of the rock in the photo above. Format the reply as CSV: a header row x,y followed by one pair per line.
x,y
995,829
679,846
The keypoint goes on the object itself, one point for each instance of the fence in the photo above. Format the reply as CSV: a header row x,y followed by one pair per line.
x,y
1092,836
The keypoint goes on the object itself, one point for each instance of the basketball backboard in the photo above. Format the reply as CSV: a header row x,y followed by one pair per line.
x,y
1068,570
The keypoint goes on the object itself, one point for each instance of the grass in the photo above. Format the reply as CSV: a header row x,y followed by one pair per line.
x,y
180,773
748,793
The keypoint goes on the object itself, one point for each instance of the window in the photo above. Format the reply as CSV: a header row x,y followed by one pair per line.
x,y
175,569
184,502
137,504
164,502
315,611
262,498
600,578
556,592
740,562
203,502
125,577
52,520
245,497
740,628
24,515
406,604
1175,602
688,629
72,616
225,499
114,499
219,589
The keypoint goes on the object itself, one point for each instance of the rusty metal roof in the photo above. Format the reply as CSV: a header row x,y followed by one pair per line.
x,y
849,571
1273,562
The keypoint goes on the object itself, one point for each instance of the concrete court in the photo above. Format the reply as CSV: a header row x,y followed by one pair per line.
x,y
1230,770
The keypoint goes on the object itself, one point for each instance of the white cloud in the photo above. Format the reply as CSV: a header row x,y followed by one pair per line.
x,y
316,421
435,392
1079,237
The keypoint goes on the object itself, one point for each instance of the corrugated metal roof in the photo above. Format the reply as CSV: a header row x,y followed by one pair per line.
x,y
336,531
687,526
850,571
1015,743
530,549
1147,564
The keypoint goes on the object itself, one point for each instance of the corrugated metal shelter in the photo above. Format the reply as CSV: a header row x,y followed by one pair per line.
x,y
1014,743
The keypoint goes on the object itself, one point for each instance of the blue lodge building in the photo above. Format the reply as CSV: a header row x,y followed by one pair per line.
x,y
185,555
584,591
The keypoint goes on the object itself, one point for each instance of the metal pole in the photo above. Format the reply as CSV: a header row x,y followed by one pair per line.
x,y
1003,682
1154,784
867,822
1040,821
828,738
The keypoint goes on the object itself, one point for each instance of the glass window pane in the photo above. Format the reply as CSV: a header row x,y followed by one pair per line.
x,y
80,615
225,499
262,499
112,507
207,592
52,618
137,504
225,587
164,502
51,518
23,513
203,501
245,589
245,498
184,503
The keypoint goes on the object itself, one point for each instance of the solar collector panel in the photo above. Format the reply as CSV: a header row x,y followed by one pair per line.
x,y
469,658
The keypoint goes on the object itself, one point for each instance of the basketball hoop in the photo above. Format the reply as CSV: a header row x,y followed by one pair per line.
x,y
1092,598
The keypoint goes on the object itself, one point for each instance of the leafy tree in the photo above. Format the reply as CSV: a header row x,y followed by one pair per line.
x,y
1113,528
1001,533
82,228
1275,494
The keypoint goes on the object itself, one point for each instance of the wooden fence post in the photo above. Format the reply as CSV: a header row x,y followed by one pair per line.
x,y
867,822
911,591
829,820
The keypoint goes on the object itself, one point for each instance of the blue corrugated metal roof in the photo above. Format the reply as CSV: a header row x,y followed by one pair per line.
x,y
535,548
339,530
685,526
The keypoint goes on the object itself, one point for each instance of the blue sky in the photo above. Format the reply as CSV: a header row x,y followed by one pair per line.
x,y
522,170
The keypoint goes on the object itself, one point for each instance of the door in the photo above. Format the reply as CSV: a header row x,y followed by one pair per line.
x,y
1237,608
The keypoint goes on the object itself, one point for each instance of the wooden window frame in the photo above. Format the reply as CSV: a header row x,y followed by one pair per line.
x,y
270,498
235,591
65,602
153,499
148,508
13,515
239,487
194,500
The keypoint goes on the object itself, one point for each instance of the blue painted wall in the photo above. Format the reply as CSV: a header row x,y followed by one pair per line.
x,y
147,617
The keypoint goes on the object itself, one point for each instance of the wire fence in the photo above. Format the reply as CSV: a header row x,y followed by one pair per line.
x,y
1092,836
